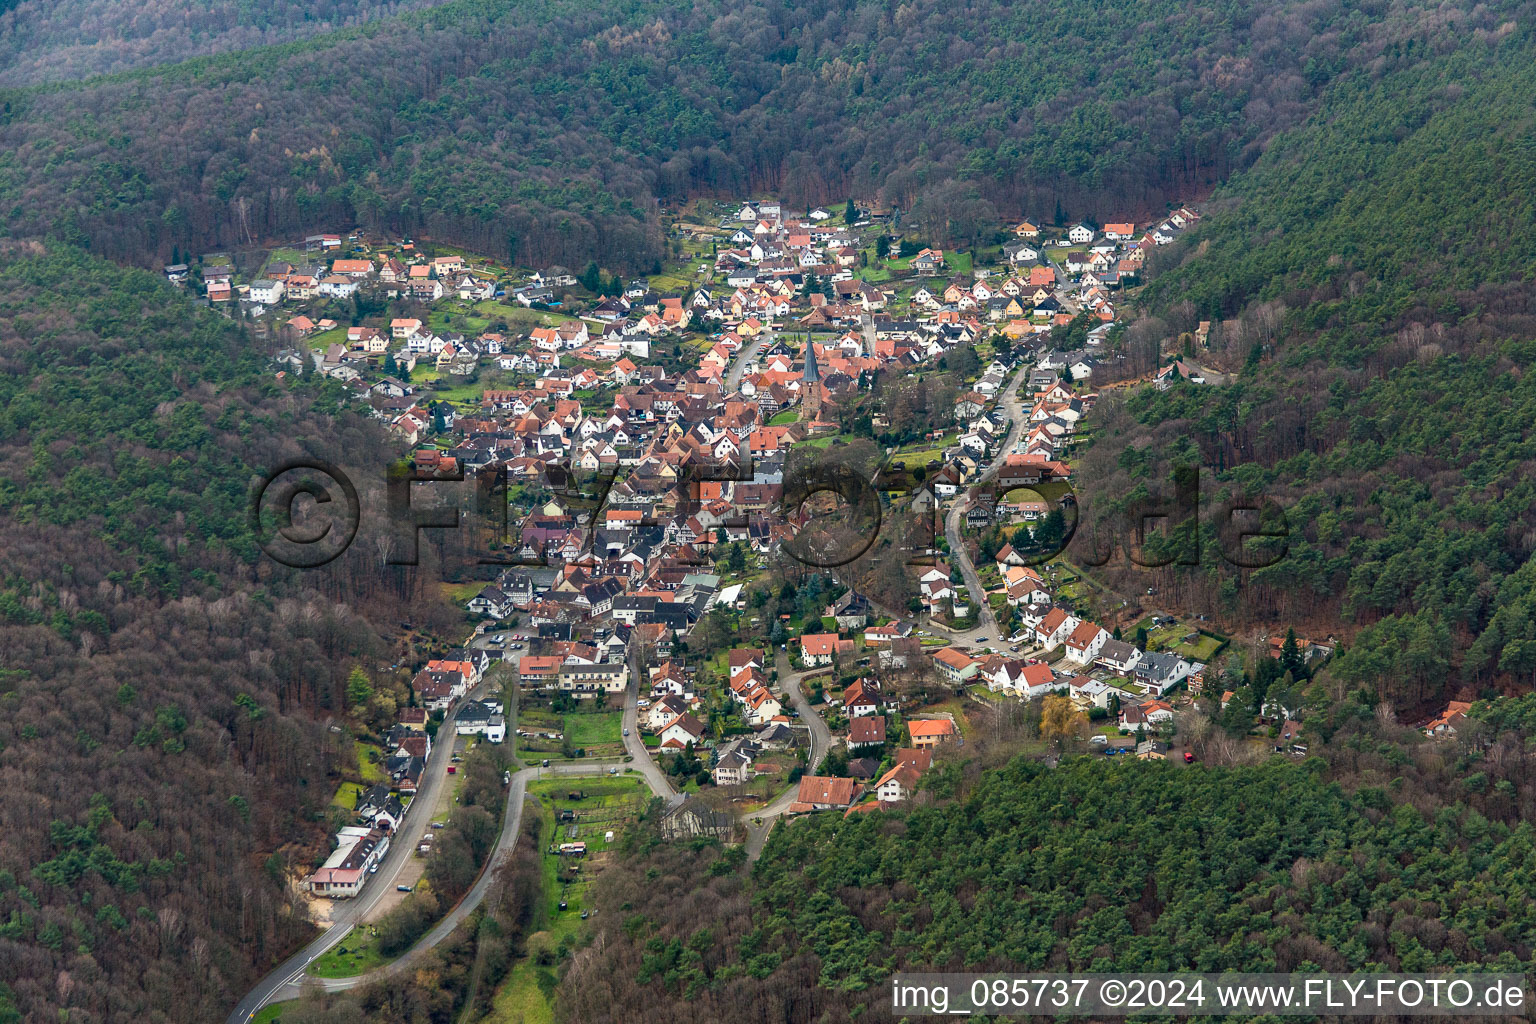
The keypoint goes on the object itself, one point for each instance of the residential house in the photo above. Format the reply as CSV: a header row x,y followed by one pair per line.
x,y
866,731
935,732
956,666
821,793
900,783
817,649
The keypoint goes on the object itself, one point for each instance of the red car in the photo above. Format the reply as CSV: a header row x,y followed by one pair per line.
x,y
1189,758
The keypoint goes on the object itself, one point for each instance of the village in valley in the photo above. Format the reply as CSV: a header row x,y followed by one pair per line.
x,y
666,626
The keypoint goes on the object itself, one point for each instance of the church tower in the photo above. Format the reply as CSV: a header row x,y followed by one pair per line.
x,y
810,386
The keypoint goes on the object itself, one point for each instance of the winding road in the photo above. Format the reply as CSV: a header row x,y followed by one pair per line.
x,y
287,980
986,629
821,743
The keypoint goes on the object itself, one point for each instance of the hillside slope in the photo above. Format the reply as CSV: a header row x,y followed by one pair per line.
x,y
163,755
550,129
1089,866
1373,285
49,40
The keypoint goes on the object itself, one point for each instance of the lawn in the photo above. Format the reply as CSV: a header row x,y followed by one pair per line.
x,y
354,955
283,254
346,796
270,1015
785,418
594,729
371,772
461,393
826,442
1171,639
459,319
322,340
514,314
930,451
458,593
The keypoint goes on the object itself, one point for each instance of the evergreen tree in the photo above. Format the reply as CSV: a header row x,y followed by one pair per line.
x,y
850,213
1291,660
359,689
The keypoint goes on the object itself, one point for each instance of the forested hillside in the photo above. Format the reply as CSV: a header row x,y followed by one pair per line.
x,y
162,705
1089,866
50,40
1373,284
549,129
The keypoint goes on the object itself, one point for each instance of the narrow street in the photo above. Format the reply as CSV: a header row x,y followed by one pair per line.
x,y
986,630
760,823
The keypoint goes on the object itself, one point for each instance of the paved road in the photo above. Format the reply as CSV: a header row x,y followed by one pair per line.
x,y
347,914
986,623
286,981
1063,295
821,744
635,746
748,352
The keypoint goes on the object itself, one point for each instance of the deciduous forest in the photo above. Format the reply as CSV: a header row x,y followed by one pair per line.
x,y
163,705
1085,866
1365,264
47,42
549,130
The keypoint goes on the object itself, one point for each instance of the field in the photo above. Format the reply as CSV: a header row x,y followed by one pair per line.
x,y
596,733
370,771
458,593
346,795
607,804
516,316
920,453
597,730
322,340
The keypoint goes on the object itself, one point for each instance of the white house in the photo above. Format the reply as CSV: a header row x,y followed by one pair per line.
x,y
1085,642
1055,628
1119,656
1080,234
346,870
682,731
266,292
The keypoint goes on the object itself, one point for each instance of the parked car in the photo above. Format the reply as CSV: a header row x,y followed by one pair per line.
x,y
546,762
1189,758
404,888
